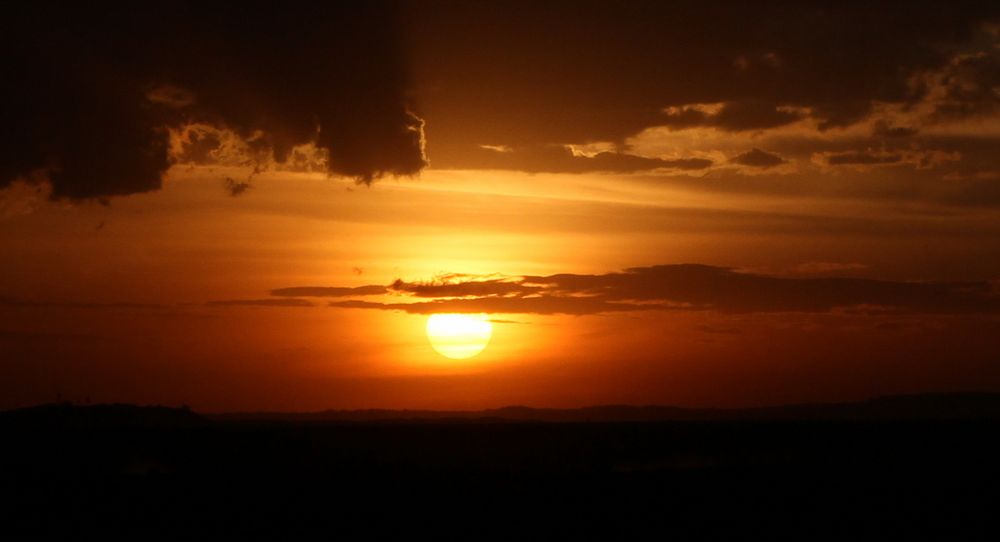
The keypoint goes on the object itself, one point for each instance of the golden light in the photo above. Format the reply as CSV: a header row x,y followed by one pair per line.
x,y
459,336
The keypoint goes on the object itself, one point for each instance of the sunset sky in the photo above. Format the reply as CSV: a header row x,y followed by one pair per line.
x,y
247,208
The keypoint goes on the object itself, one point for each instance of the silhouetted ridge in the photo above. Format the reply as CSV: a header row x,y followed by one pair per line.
x,y
943,406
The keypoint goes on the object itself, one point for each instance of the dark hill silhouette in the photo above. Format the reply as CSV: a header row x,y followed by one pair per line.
x,y
932,406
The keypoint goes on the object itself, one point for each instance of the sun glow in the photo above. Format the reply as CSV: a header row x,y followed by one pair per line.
x,y
459,336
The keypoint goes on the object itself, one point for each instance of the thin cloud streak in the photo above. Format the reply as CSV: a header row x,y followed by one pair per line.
x,y
290,302
685,287
325,291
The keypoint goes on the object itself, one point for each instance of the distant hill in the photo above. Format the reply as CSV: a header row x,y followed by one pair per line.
x,y
935,406
943,406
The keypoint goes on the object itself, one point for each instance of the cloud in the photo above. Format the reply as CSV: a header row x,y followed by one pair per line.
x,y
19,199
758,158
840,114
732,116
572,72
685,287
88,95
564,159
864,158
8,301
290,302
914,157
326,291
815,268
966,86
464,288
102,105
883,128
501,305
236,188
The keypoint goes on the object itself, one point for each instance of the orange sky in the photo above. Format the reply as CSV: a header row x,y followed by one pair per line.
x,y
844,241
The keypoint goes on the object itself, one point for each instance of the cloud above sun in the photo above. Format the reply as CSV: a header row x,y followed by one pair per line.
x,y
91,97
823,67
368,89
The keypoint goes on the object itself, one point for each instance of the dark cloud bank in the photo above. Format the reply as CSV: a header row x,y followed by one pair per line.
x,y
88,89
668,287
524,74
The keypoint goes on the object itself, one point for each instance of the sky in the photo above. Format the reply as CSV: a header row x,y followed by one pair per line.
x,y
250,208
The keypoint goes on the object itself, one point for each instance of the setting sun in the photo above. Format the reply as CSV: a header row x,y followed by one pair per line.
x,y
459,336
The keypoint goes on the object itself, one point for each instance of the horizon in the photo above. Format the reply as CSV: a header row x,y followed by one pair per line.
x,y
913,398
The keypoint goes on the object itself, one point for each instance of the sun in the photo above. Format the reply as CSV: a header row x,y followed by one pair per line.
x,y
459,336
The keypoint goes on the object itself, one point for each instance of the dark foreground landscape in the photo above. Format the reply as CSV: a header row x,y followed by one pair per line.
x,y
896,467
